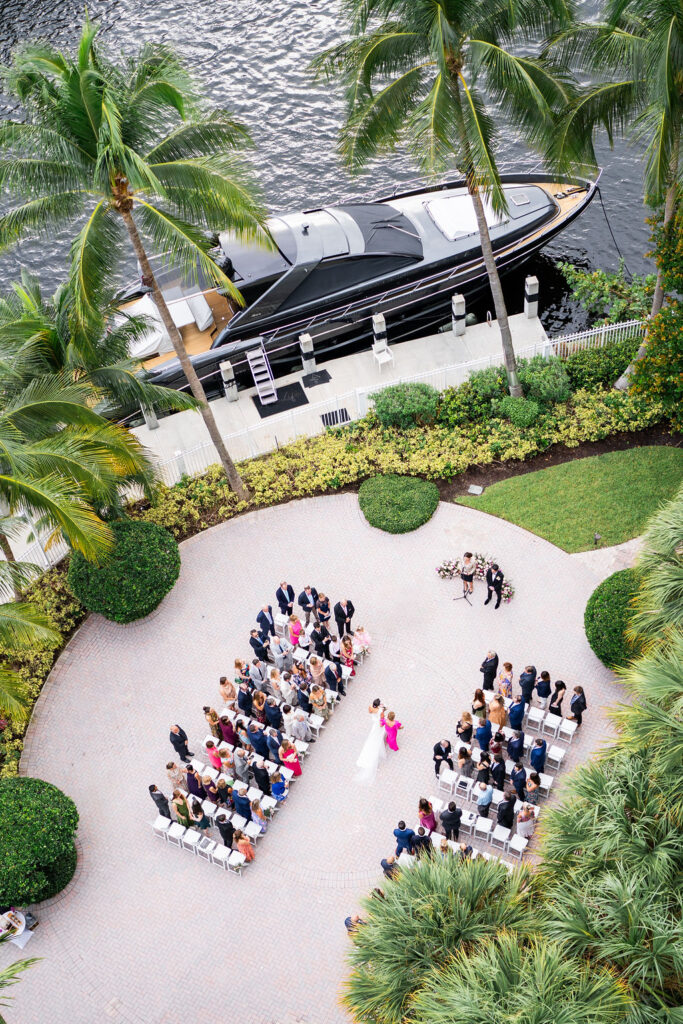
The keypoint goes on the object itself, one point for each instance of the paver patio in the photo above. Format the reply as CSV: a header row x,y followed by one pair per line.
x,y
148,934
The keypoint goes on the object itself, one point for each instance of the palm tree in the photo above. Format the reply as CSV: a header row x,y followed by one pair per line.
x,y
637,53
10,976
129,145
428,913
426,72
658,606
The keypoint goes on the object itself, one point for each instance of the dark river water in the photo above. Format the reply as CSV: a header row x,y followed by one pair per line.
x,y
251,56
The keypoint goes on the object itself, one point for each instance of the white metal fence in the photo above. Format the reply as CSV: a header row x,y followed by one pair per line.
x,y
309,420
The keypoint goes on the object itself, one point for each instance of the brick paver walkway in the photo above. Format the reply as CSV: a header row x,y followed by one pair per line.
x,y
149,934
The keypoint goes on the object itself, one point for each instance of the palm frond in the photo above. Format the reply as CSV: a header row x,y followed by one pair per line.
x,y
39,215
216,132
22,625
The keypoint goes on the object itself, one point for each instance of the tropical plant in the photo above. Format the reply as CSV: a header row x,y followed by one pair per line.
x,y
607,616
397,504
10,975
521,412
427,73
658,606
128,145
608,295
658,372
404,405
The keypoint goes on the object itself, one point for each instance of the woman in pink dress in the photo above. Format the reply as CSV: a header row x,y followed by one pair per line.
x,y
426,814
391,727
289,757
346,652
295,629
213,755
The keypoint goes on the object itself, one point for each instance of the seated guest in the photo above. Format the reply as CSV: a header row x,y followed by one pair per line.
x,y
527,682
518,780
319,702
261,776
464,727
257,739
296,630
444,849
241,801
390,867
266,621
516,746
442,755
425,812
228,690
285,684
404,838
242,672
479,704
506,811
421,842
303,698
181,808
316,670
228,731
483,769
284,595
257,645
227,759
244,699
279,787
498,772
273,714
274,739
281,651
226,829
450,820
526,821
307,600
532,788
320,638
244,846
516,712
361,640
465,851
483,734
334,650
497,712
465,763
258,706
258,815
538,755
194,783
241,764
347,653
496,744
484,798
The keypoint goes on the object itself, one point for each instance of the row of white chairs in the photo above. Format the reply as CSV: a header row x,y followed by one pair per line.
x,y
469,819
175,834
455,784
406,860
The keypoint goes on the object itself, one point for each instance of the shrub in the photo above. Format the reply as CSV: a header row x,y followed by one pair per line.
x,y
471,402
397,504
607,616
37,852
596,368
135,576
405,405
609,295
521,412
544,380
659,374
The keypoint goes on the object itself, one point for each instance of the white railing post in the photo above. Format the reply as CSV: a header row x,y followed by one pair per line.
x,y
180,463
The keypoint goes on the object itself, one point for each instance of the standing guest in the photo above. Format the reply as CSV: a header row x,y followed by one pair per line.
x,y
464,727
242,672
543,688
257,738
498,772
194,784
577,706
244,699
467,573
516,746
444,849
274,739
317,671
296,630
161,801
226,829
224,793
489,667
266,622
213,755
284,595
307,602
228,734
273,714
289,756
483,769
241,765
319,702
211,788
303,698
228,690
516,712
288,715
557,698
227,759
281,650
258,706
301,730
390,867
450,821
538,755
465,763
494,584
526,821
279,787
334,679
242,802
465,851
443,754
479,704
527,682
178,738
506,811
343,613
321,639
258,815
533,784
505,680
391,727
257,645
483,734
404,838
244,846
352,924
361,640
425,813
421,842
322,606
182,811
484,799
285,685
496,744
518,780
497,712
176,776
346,653
199,818
258,674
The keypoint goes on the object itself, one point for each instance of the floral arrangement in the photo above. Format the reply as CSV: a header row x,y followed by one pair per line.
x,y
450,569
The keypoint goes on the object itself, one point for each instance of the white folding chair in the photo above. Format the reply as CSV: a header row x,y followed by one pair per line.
x,y
316,722
190,840
213,773
300,655
483,828
301,747
551,725
239,822
286,773
517,845
236,862
281,623
500,836
205,848
467,822
437,804
476,754
534,719
221,855
161,827
210,808
567,730
269,803
405,860
197,765
464,787
253,793
555,757
448,780
253,830
545,784
498,797
210,738
175,834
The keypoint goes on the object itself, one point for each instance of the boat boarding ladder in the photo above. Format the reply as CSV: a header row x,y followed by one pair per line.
x,y
262,374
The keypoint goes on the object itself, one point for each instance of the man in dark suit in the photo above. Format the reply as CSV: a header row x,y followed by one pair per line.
x,y
527,682
333,679
244,699
256,644
178,738
274,741
261,777
273,714
498,772
516,746
257,738
343,613
518,780
494,582
320,638
421,842
307,599
241,801
506,811
483,733
266,621
302,698
284,595
226,829
516,712
161,802
404,838
489,667
450,819
442,754
390,867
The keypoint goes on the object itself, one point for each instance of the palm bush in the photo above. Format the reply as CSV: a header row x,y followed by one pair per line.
x,y
658,606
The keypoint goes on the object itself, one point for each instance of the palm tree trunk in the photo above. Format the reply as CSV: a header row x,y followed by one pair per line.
x,y
234,479
497,292
6,549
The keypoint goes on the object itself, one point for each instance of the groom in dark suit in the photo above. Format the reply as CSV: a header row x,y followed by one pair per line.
x,y
494,582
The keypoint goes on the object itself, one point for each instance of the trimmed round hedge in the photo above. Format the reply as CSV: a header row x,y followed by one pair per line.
x,y
606,618
398,504
135,576
37,851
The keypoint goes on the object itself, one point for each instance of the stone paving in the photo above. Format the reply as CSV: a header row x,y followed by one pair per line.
x,y
147,934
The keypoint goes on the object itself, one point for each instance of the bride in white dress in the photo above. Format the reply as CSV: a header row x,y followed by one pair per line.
x,y
373,749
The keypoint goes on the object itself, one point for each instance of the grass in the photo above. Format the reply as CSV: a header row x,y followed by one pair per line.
x,y
397,504
612,494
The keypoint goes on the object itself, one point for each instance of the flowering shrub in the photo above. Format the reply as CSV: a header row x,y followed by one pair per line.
x,y
450,569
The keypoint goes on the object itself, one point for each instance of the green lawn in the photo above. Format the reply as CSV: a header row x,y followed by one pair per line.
x,y
612,494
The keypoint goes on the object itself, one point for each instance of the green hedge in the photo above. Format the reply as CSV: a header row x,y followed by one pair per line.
x,y
406,405
606,618
37,852
397,504
135,577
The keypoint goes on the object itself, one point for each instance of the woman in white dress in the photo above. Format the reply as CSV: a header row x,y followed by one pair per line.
x,y
373,749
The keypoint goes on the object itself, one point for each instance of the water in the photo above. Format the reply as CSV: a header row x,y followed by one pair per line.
x,y
252,58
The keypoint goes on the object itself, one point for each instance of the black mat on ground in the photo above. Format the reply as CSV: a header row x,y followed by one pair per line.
x,y
336,418
311,380
289,396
